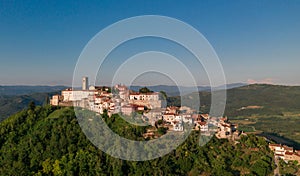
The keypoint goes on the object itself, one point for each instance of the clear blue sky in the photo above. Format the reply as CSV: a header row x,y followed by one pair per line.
x,y
257,41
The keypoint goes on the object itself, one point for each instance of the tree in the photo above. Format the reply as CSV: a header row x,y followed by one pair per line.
x,y
164,94
160,122
47,166
145,90
56,168
47,100
162,130
31,105
115,91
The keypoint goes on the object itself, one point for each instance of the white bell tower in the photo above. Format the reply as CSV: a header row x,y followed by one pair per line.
x,y
85,83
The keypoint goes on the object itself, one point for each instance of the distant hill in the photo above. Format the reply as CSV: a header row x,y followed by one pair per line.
x,y
174,90
272,110
273,99
251,99
241,99
16,98
25,90
11,104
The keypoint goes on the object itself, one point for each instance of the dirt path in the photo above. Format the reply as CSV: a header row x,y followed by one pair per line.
x,y
276,171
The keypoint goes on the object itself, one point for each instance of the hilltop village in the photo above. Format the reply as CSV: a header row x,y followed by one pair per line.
x,y
151,108
150,105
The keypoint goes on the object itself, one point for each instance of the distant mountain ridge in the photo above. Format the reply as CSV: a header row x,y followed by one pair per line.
x,y
174,90
9,105
25,90
271,100
274,99
16,98
170,90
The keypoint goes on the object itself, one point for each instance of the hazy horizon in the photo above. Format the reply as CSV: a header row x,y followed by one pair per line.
x,y
141,85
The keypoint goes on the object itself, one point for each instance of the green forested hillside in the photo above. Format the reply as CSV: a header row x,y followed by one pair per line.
x,y
272,109
49,141
271,100
11,104
16,98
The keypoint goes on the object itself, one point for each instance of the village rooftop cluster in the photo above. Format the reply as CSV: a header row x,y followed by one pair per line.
x,y
150,105
285,153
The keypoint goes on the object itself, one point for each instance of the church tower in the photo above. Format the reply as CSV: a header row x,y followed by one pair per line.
x,y
85,83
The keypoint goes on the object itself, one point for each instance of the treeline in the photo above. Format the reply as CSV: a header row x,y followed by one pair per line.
x,y
49,141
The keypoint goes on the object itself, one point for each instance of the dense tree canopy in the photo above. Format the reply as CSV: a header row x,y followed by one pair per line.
x,y
48,141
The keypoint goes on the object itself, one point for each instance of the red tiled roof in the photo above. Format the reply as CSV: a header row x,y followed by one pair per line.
x,y
138,93
195,115
289,153
127,106
168,114
254,149
226,125
100,96
204,115
288,148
